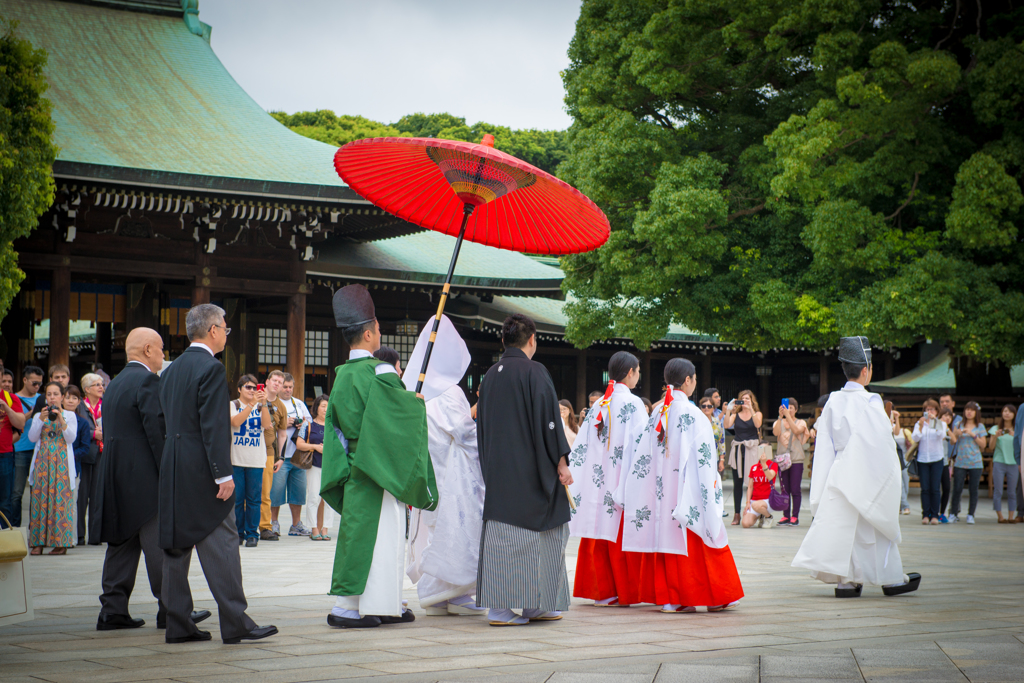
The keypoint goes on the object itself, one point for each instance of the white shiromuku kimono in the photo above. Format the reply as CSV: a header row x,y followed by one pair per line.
x,y
444,544
673,484
596,462
855,494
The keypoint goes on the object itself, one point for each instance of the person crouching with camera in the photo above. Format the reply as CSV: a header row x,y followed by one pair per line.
x,y
52,473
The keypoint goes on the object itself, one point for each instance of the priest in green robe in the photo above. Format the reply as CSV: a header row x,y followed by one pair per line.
x,y
375,461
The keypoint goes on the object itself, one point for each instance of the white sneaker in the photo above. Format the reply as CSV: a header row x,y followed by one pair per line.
x,y
970,519
768,522
276,527
953,519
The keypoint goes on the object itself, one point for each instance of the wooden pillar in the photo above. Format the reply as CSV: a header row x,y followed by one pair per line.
x,y
581,380
296,365
705,372
822,375
888,366
645,375
60,326
234,353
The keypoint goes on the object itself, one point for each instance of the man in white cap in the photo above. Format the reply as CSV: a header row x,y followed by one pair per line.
x,y
444,544
855,489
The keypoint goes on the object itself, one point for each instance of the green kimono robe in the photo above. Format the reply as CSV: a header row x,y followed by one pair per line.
x,y
386,429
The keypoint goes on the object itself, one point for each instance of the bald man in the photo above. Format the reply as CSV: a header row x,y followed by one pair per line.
x,y
133,438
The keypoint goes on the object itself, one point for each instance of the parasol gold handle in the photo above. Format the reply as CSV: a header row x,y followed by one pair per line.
x,y
569,496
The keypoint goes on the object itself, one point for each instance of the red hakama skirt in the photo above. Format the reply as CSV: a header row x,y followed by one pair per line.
x,y
706,577
604,570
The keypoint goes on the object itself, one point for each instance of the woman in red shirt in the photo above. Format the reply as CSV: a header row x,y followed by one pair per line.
x,y
759,487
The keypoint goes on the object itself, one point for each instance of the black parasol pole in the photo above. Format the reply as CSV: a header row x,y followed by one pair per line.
x,y
467,210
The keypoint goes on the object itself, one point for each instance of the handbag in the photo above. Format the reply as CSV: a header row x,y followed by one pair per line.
x,y
778,500
301,459
12,542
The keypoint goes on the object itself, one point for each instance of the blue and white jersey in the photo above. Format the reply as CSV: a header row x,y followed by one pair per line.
x,y
247,447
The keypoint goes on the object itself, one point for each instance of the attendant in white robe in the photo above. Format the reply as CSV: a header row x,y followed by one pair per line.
x,y
444,544
855,489
672,500
613,425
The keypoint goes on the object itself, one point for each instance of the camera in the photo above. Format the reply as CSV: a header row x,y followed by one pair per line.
x,y
51,413
740,402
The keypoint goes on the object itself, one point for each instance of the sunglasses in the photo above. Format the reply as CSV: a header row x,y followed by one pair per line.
x,y
705,406
249,387
35,384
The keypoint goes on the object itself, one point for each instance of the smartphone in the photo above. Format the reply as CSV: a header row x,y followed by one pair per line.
x,y
261,387
785,403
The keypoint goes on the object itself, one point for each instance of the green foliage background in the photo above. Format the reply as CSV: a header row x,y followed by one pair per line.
x,y
545,149
27,152
784,172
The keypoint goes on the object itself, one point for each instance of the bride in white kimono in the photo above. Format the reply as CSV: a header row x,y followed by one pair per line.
x,y
444,545
855,489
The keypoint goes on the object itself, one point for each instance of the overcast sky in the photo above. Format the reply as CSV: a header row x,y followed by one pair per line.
x,y
486,61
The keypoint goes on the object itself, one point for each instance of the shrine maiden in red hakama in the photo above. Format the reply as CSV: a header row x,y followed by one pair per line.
x,y
603,572
672,500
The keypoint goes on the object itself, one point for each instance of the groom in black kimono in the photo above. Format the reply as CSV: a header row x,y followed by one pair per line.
x,y
523,454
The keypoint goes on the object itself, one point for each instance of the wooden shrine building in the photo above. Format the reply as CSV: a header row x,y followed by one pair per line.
x,y
175,188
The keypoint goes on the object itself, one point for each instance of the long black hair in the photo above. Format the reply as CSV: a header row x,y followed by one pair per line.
x,y
677,370
620,365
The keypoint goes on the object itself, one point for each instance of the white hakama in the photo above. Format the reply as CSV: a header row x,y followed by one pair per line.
x,y
855,494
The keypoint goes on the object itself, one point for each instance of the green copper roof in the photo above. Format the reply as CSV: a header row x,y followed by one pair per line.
x,y
934,376
549,314
424,258
140,90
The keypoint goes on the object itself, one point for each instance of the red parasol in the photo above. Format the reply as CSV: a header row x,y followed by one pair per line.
x,y
441,184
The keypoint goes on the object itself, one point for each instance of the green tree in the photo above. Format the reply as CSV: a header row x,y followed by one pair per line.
x,y
783,172
26,152
324,125
545,149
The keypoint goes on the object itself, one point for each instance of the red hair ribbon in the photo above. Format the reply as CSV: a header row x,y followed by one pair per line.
x,y
662,426
601,422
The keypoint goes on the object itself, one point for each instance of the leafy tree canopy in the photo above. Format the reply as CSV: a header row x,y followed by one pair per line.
x,y
545,149
784,172
26,151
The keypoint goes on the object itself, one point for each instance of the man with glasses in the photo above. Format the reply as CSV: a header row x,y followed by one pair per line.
x,y
31,381
197,486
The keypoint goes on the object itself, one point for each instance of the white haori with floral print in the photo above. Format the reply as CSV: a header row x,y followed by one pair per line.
x,y
671,484
596,461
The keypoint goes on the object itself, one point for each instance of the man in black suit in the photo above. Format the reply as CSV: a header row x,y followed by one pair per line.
x,y
128,475
197,491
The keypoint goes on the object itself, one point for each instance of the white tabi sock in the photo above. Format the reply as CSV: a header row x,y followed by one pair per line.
x,y
607,601
505,616
466,601
846,585
345,613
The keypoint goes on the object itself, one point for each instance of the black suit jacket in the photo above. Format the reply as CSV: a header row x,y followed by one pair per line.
x,y
194,396
521,440
133,441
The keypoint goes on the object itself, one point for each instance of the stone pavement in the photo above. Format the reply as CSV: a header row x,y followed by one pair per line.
x,y
965,624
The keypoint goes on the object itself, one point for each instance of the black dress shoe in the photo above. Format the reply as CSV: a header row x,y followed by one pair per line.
x,y
345,622
255,634
112,622
250,542
850,592
197,636
197,616
912,584
407,616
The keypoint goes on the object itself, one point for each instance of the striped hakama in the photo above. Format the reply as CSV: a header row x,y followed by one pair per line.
x,y
522,569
